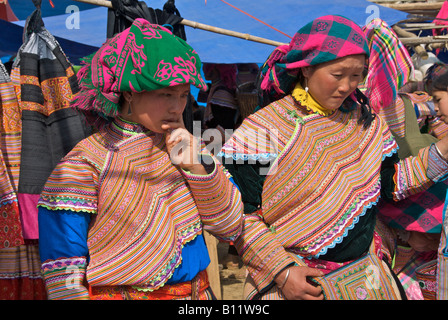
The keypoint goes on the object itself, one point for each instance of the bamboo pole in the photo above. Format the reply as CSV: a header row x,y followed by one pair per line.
x,y
202,26
418,48
406,40
413,6
424,40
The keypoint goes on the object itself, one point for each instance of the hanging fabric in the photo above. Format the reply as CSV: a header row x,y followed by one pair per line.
x,y
20,276
38,128
50,128
10,127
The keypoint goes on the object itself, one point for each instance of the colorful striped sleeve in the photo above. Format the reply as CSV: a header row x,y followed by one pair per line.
x,y
72,186
218,200
67,201
442,261
416,174
64,278
63,251
261,251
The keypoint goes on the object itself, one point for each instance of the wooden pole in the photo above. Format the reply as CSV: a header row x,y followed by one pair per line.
x,y
424,40
409,35
202,26
414,41
413,6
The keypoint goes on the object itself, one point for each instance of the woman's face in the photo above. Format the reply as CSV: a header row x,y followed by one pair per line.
x,y
154,108
332,82
440,99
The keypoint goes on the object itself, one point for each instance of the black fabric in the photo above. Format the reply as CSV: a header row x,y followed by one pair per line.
x,y
222,116
397,281
250,182
124,12
34,22
357,240
47,135
44,142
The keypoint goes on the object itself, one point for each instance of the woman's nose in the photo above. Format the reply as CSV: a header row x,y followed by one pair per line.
x,y
178,105
345,86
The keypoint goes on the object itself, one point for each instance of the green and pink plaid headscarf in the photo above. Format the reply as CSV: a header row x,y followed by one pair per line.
x,y
322,40
144,57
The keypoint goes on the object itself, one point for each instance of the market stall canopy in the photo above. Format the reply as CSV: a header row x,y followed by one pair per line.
x,y
88,26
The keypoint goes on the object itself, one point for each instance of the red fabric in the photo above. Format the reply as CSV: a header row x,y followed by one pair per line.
x,y
22,289
6,12
10,226
167,292
443,14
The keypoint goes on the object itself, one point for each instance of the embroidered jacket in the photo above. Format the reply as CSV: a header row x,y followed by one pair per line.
x,y
324,176
144,211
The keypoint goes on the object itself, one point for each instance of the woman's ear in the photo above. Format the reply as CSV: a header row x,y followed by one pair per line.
x,y
127,96
306,72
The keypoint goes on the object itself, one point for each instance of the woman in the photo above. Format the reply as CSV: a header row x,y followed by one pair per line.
x,y
432,275
313,215
122,215
437,83
417,220
221,109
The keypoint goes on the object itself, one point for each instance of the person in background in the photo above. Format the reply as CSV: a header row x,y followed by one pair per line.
x,y
221,109
122,215
432,276
413,224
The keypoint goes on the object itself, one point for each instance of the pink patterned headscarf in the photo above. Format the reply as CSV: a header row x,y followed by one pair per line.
x,y
322,40
144,57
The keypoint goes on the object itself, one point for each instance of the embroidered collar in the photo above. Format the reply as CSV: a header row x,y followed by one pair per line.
x,y
306,100
128,128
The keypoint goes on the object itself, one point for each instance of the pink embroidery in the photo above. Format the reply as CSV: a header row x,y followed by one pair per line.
x,y
151,34
181,72
137,54
361,293
164,70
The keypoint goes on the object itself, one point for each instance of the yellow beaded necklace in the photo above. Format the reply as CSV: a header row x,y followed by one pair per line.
x,y
306,100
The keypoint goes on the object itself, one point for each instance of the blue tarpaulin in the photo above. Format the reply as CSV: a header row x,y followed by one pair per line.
x,y
85,30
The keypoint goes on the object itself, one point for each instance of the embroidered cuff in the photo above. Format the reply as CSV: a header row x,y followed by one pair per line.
x,y
64,277
210,166
437,165
67,203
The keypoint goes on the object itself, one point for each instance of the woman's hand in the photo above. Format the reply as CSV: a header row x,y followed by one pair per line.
x,y
297,286
183,148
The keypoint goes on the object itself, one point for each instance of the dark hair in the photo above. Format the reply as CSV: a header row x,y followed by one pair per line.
x,y
349,104
436,78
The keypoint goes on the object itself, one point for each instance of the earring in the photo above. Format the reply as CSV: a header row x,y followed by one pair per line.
x,y
306,85
129,108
